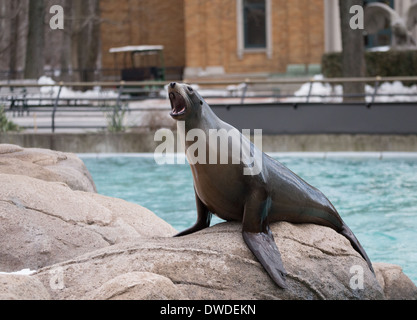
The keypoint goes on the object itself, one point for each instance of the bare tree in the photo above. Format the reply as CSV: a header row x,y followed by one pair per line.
x,y
10,21
58,41
34,61
353,51
85,40
74,49
14,33
65,56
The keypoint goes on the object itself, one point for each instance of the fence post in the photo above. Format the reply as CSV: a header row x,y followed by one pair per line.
x,y
377,80
245,88
309,90
55,106
119,95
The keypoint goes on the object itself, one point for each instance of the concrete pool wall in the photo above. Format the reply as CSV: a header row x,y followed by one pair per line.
x,y
134,142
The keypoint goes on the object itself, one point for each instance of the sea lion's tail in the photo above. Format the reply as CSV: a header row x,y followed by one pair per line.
x,y
356,245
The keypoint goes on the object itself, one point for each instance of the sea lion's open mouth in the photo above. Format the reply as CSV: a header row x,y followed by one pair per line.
x,y
178,105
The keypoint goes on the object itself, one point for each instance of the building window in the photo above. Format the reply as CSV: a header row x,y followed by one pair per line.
x,y
254,27
254,23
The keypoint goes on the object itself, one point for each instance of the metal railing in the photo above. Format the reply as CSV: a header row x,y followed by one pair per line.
x,y
23,97
376,81
18,99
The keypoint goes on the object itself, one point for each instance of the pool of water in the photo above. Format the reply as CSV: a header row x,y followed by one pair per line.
x,y
377,198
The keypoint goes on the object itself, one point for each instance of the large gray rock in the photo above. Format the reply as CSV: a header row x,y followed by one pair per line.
x,y
46,165
396,285
216,264
21,287
87,246
42,223
137,286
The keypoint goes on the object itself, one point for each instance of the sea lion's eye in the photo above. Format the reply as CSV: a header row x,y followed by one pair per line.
x,y
201,102
190,89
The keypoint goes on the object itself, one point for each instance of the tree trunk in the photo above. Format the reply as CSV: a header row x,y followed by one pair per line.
x,y
353,54
65,61
85,38
34,61
14,28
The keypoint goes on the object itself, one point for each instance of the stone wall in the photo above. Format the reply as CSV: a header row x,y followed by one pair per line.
x,y
144,142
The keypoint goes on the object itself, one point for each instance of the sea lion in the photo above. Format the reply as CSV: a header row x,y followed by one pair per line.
x,y
272,194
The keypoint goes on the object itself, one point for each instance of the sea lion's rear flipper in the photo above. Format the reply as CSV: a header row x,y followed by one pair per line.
x,y
356,245
264,248
259,238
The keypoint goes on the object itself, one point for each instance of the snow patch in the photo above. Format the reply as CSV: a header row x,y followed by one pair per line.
x,y
324,92
24,272
51,89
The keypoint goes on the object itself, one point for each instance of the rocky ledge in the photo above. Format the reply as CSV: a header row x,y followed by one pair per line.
x,y
87,246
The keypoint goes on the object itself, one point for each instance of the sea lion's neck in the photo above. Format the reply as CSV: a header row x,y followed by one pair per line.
x,y
201,123
205,120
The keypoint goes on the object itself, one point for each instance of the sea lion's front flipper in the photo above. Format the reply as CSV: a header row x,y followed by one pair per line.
x,y
264,248
259,238
203,218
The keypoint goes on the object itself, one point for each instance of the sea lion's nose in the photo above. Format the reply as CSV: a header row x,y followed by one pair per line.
x,y
172,84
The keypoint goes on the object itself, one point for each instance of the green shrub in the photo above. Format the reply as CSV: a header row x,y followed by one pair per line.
x,y
5,124
384,64
331,65
115,117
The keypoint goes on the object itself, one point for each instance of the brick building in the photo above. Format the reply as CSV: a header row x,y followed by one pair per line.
x,y
218,37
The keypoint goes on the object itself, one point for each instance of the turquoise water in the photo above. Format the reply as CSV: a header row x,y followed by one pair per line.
x,y
377,198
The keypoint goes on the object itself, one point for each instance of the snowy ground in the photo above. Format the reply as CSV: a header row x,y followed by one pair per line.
x,y
387,92
67,93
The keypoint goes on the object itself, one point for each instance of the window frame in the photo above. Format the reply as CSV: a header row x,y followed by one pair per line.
x,y
241,49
